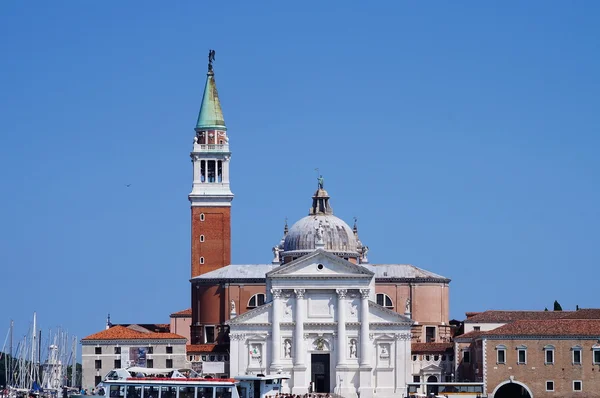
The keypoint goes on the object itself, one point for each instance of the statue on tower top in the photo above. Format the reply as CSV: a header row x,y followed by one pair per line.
x,y
321,181
211,58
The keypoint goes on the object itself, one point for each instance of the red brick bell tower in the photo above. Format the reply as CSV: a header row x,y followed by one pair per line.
x,y
211,196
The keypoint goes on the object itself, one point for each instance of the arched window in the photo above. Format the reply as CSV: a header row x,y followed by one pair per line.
x,y
256,300
384,300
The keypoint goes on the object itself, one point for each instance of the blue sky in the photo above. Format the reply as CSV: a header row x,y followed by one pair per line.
x,y
463,135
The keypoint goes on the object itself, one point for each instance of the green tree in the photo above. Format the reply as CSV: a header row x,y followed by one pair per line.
x,y
557,306
546,309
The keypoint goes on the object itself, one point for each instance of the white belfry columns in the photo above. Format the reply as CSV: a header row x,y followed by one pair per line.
x,y
276,330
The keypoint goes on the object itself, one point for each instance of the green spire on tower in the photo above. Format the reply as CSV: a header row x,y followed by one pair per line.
x,y
211,115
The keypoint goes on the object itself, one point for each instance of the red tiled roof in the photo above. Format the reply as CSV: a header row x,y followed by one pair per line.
x,y
183,313
470,314
125,333
584,313
203,348
471,335
557,327
511,316
431,347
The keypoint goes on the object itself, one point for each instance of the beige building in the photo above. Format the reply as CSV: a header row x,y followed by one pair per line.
x,y
132,345
181,323
554,357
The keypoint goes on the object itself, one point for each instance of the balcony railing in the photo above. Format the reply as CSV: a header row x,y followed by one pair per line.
x,y
211,147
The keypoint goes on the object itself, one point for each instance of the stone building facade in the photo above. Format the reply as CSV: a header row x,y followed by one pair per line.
x,y
535,358
124,346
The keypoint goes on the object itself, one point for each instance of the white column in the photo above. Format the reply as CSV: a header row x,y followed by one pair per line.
x,y
275,331
196,163
341,326
364,327
226,169
299,352
205,170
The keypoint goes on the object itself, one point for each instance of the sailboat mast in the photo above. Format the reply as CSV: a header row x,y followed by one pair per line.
x,y
10,360
74,362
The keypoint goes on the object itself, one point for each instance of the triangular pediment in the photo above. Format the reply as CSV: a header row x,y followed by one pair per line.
x,y
431,368
258,315
379,314
320,264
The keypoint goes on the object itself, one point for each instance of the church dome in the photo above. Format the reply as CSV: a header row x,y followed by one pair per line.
x,y
337,235
319,230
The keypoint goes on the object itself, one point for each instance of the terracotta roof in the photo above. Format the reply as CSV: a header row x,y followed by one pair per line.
x,y
511,316
471,335
124,333
183,313
471,314
557,327
204,348
431,347
584,313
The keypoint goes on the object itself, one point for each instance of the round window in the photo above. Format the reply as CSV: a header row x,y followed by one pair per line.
x,y
320,267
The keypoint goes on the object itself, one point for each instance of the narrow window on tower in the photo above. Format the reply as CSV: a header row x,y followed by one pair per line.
x,y
201,260
203,170
201,216
201,238
220,170
211,170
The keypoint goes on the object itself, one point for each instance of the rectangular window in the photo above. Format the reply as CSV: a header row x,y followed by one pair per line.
x,y
97,350
549,357
416,379
97,380
223,392
117,391
549,385
169,349
577,385
596,356
150,363
430,334
117,350
522,357
151,391
186,392
150,350
169,363
501,356
209,334
576,357
134,391
168,392
98,363
477,328
117,364
466,356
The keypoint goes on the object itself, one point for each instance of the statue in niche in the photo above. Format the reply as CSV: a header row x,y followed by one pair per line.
x,y
384,351
353,309
320,343
407,307
287,348
195,139
232,307
353,348
288,309
255,351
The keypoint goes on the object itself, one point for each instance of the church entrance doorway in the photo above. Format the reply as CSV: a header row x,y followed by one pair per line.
x,y
512,390
319,372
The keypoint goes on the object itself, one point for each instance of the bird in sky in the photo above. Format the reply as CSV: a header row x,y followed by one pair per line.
x,y
127,185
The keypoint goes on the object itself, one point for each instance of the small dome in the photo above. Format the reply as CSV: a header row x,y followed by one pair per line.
x,y
337,235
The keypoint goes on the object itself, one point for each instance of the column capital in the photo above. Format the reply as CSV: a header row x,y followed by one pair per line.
x,y
341,293
276,293
299,293
365,293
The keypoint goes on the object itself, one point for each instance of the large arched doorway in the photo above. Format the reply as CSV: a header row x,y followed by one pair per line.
x,y
512,389
432,389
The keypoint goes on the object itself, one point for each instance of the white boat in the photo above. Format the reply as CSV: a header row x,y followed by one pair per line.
x,y
185,383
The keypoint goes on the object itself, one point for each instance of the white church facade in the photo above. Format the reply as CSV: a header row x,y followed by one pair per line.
x,y
322,327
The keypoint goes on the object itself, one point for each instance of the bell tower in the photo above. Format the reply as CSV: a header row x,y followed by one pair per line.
x,y
211,196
